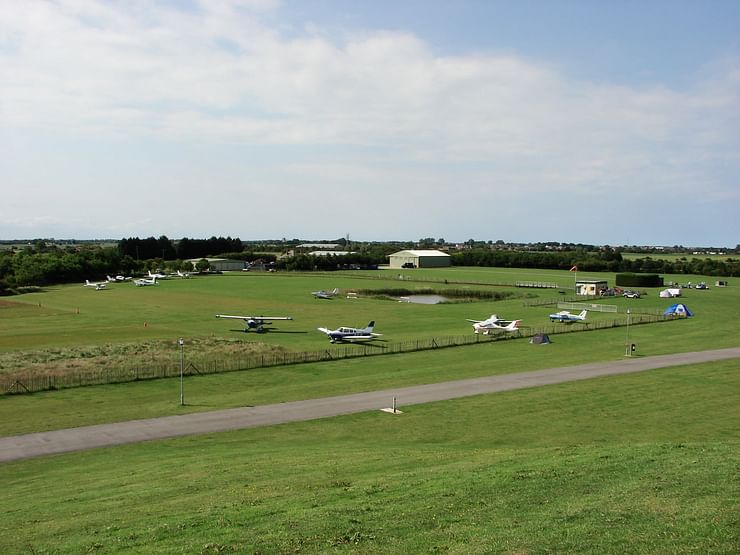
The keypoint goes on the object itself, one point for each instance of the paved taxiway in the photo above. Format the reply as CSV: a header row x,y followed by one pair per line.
x,y
106,435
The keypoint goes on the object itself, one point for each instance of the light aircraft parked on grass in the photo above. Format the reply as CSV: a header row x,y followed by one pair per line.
x,y
144,282
495,323
114,279
256,323
157,275
351,334
183,274
97,285
567,318
326,294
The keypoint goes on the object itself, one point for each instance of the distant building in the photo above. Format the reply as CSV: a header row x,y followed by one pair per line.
x,y
419,259
330,253
222,264
590,287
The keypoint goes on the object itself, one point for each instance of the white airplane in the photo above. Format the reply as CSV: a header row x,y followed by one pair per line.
x,y
97,285
351,334
144,282
494,323
183,274
256,323
567,318
157,275
326,294
114,279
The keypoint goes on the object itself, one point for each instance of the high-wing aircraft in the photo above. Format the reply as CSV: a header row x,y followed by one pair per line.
x,y
157,275
183,274
326,294
144,282
114,279
351,334
256,323
567,318
494,323
97,285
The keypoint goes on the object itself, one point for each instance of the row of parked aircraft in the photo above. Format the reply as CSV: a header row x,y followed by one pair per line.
x,y
151,279
341,334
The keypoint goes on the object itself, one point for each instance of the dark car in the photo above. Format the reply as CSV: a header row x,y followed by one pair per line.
x,y
408,265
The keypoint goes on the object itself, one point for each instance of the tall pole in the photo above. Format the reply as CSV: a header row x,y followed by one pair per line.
x,y
628,347
182,368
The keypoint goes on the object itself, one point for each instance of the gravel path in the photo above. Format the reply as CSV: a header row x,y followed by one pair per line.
x,y
105,435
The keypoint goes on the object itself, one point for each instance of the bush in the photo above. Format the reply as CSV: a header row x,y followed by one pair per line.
x,y
639,280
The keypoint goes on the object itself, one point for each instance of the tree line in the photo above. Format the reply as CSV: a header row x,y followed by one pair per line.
x,y
603,259
40,264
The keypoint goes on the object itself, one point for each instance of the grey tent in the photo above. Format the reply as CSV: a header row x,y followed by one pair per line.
x,y
540,339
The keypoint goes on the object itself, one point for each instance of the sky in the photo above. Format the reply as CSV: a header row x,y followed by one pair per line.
x,y
586,121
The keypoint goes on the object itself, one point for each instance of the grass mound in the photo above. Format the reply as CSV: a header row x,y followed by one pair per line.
x,y
93,358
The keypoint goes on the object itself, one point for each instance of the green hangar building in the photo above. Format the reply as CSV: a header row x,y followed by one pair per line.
x,y
419,259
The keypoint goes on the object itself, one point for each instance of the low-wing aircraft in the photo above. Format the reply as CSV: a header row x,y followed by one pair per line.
x,y
567,318
144,282
326,294
97,285
494,323
183,274
256,323
351,334
157,275
114,279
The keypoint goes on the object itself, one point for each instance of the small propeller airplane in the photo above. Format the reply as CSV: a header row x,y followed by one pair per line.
x,y
143,282
256,323
326,294
114,279
157,275
351,334
184,275
495,323
566,317
97,285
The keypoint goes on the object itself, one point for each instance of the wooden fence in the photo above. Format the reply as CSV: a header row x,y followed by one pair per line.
x,y
27,383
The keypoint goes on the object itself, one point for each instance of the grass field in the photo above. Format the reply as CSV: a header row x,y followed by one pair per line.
x,y
633,464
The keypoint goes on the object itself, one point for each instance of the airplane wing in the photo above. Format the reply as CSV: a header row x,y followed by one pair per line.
x,y
350,338
254,317
325,330
474,321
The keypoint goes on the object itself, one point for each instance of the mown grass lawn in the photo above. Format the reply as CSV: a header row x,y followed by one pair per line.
x,y
627,464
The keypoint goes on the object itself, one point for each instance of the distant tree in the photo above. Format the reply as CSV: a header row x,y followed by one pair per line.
x,y
202,265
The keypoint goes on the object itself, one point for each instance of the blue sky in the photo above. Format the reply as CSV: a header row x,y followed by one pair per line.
x,y
596,122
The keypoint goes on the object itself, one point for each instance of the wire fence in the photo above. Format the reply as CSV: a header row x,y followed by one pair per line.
x,y
21,382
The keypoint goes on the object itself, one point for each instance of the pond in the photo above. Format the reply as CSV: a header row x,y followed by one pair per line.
x,y
423,299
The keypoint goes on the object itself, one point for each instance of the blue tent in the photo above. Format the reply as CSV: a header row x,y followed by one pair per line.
x,y
678,310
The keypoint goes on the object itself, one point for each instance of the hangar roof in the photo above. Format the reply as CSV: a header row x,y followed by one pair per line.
x,y
420,253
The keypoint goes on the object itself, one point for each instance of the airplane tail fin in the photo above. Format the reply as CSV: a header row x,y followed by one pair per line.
x,y
370,327
582,315
514,325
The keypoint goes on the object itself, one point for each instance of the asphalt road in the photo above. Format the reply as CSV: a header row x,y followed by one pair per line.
x,y
106,435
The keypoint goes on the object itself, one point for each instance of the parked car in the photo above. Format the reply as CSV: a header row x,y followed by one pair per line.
x,y
631,295
408,265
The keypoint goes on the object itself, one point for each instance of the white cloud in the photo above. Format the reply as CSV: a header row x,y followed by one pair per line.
x,y
485,124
